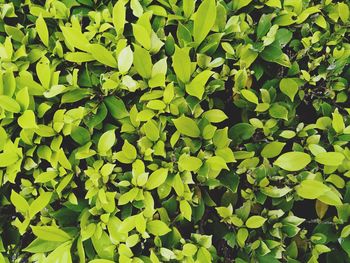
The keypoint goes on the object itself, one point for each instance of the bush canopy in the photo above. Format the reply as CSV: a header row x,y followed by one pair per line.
x,y
174,131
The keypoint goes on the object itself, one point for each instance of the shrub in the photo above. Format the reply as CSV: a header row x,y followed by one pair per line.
x,y
174,131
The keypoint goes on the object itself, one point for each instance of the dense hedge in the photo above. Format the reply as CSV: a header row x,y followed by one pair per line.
x,y
174,131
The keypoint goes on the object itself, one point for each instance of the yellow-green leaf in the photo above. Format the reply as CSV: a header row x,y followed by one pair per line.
x,y
157,228
8,158
39,204
79,57
42,30
142,62
272,149
27,120
157,178
119,11
311,189
182,64
293,161
50,233
255,221
204,20
330,158
103,55
43,71
142,36
289,87
187,126
75,38
249,96
125,60
189,163
196,87
106,141
9,104
19,202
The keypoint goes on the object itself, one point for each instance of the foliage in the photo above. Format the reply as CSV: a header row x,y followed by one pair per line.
x,y
174,131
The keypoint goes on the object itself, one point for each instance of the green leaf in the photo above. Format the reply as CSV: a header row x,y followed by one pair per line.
x,y
338,122
142,35
189,249
125,60
8,158
255,221
78,57
80,135
27,120
345,244
41,246
42,30
188,7
50,233
187,126
217,163
264,25
39,204
272,149
15,33
98,117
9,104
157,178
196,86
129,150
19,202
278,111
330,198
62,159
241,132
178,185
215,115
116,107
330,158
250,96
119,12
120,156
46,176
321,21
189,163
157,228
23,98
242,236
311,189
186,210
271,36
236,5
107,140
54,91
101,261
151,130
61,254
293,161
75,38
156,105
343,10
44,72
345,232
182,64
271,53
283,36
103,55
142,62
204,20
275,192
289,87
